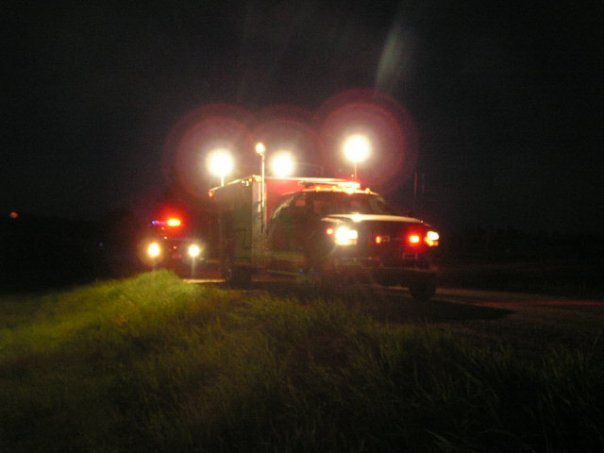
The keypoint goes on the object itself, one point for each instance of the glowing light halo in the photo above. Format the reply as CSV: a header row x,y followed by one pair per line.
x,y
316,138
388,125
282,163
289,128
205,128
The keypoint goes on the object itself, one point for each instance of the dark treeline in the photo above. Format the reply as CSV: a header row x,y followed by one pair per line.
x,y
42,252
511,244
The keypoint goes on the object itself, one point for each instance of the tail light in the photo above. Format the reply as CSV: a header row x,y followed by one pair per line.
x,y
417,239
414,239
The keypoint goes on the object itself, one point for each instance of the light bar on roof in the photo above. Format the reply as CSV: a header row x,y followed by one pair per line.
x,y
349,184
172,222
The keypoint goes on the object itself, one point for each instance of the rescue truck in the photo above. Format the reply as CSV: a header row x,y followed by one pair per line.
x,y
323,229
170,243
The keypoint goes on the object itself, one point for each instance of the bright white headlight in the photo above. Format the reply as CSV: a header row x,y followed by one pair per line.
x,y
153,250
432,238
346,236
194,250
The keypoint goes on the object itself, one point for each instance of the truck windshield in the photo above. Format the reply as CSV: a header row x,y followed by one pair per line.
x,y
325,203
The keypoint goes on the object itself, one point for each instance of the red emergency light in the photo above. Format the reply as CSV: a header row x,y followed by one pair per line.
x,y
414,239
172,222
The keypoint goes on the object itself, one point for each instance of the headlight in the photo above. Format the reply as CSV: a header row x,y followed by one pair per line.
x,y
432,238
346,236
194,250
153,250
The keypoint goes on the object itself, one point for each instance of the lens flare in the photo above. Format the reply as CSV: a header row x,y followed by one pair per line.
x,y
202,130
386,124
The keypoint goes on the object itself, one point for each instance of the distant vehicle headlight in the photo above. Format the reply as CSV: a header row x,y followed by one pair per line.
x,y
194,250
346,236
153,250
432,238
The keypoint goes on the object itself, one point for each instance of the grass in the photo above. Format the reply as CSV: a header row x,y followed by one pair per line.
x,y
154,364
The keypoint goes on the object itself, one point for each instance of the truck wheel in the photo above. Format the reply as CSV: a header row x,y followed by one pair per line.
x,y
423,291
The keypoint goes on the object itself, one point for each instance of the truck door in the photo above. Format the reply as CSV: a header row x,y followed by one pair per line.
x,y
287,228
278,228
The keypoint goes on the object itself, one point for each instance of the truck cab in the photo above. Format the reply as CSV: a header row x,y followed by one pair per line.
x,y
169,242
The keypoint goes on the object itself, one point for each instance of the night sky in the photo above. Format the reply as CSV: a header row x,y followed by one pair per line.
x,y
505,101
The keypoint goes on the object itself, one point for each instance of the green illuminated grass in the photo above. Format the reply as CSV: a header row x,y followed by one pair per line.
x,y
154,364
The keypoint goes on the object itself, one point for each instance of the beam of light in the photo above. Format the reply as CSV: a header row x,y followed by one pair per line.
x,y
395,58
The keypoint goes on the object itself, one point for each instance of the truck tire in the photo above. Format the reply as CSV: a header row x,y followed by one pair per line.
x,y
423,291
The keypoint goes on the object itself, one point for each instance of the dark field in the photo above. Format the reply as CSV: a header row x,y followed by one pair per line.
x,y
154,364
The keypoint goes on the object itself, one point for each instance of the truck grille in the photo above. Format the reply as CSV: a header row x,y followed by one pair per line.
x,y
384,242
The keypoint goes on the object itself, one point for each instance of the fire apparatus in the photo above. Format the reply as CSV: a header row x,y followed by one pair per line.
x,y
170,243
327,230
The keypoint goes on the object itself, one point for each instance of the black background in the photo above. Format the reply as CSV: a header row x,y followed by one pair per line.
x,y
506,97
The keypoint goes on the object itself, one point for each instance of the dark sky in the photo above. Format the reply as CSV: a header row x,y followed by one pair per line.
x,y
506,97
